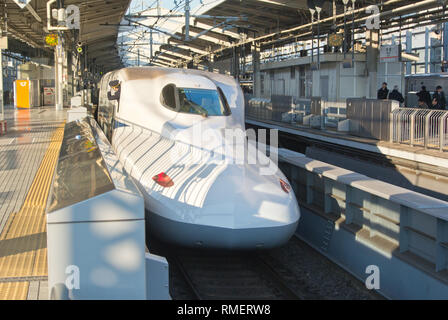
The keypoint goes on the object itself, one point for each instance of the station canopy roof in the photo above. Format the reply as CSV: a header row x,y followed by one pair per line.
x,y
231,23
29,26
220,24
215,27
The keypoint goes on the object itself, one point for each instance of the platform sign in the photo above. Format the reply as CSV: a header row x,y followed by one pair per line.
x,y
390,53
49,95
22,3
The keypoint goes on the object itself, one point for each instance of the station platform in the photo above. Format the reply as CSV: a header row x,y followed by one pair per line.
x,y
420,169
28,157
418,154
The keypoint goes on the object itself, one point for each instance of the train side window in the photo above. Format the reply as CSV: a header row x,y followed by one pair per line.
x,y
169,96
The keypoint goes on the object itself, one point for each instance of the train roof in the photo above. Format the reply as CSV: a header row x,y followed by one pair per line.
x,y
142,73
148,73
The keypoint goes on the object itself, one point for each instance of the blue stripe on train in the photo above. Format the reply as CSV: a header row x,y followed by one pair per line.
x,y
119,124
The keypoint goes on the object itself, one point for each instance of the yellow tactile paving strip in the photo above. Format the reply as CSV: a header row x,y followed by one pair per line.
x,y
14,290
23,242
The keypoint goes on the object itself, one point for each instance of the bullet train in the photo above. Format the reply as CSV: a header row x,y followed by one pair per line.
x,y
174,131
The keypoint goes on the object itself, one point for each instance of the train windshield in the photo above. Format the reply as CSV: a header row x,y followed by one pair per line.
x,y
202,101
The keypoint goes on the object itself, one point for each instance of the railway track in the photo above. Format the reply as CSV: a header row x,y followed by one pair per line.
x,y
292,272
229,276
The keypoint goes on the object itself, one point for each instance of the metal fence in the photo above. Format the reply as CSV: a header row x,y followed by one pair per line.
x,y
369,118
259,108
292,110
420,127
334,112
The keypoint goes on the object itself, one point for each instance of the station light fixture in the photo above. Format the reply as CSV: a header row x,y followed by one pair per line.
x,y
318,10
312,11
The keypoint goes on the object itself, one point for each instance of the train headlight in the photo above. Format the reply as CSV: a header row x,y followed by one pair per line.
x,y
163,180
285,186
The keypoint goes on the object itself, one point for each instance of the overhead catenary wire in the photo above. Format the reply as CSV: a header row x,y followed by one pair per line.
x,y
291,32
159,21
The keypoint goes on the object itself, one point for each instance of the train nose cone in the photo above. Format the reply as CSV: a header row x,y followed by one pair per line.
x,y
256,209
227,207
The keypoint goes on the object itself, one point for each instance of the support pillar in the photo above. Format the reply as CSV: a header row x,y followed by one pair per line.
x,y
187,20
150,44
138,57
58,67
372,54
256,70
445,41
426,50
65,76
236,63
408,50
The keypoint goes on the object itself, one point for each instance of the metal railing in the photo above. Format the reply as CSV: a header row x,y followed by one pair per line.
x,y
420,127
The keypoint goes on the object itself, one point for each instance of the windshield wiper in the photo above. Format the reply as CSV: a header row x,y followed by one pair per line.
x,y
199,109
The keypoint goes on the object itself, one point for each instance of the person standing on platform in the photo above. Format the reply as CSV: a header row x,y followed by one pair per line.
x,y
425,96
396,95
383,92
422,104
438,99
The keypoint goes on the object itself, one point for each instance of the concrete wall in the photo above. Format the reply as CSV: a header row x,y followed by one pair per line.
x,y
332,80
352,82
285,81
295,77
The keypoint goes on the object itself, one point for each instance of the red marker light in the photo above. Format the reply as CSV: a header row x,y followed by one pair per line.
x,y
163,179
285,186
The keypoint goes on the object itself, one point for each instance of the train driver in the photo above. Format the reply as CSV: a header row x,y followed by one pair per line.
x,y
187,104
115,90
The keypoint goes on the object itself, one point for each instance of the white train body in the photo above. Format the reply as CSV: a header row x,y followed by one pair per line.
x,y
214,200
